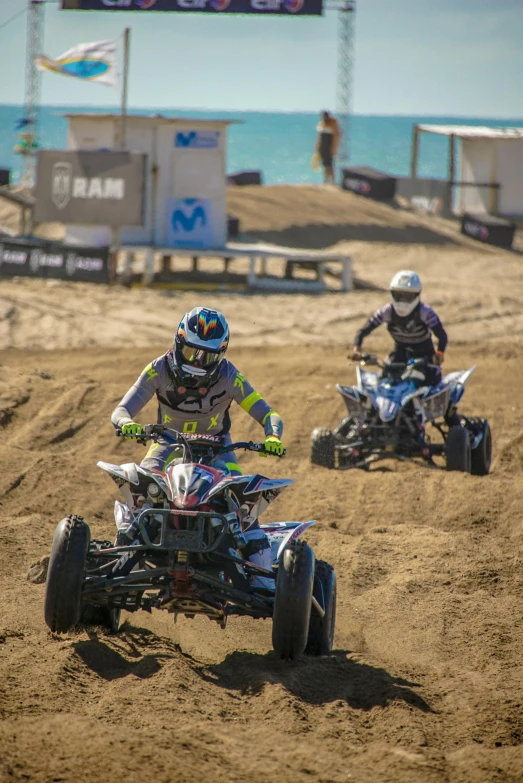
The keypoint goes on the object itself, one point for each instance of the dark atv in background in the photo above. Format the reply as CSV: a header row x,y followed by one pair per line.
x,y
388,414
179,549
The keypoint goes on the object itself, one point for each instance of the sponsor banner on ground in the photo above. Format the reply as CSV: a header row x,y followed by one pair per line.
x,y
189,223
290,7
90,187
370,182
488,228
31,258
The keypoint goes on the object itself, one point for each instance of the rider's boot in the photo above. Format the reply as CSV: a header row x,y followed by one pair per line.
x,y
123,519
258,552
452,418
126,522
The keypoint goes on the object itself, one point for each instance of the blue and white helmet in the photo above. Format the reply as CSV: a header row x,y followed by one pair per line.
x,y
405,290
200,343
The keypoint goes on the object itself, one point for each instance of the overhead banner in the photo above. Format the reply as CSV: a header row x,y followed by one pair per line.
x,y
90,188
281,7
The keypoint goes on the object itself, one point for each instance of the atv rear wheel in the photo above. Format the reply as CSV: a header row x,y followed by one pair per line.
x,y
321,629
481,456
322,448
293,600
65,575
457,449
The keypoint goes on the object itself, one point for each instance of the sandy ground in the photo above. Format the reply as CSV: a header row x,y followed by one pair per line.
x,y
425,684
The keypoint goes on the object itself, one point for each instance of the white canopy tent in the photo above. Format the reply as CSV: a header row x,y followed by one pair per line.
x,y
490,167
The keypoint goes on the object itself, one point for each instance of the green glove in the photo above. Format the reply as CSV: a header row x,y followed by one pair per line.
x,y
131,428
274,445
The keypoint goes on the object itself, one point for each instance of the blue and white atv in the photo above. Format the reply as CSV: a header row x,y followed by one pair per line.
x,y
388,414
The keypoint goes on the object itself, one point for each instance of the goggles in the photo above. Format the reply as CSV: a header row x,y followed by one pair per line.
x,y
198,357
404,296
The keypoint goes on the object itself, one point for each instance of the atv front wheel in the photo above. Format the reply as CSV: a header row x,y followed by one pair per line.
x,y
457,449
293,600
322,448
100,615
65,575
481,456
321,629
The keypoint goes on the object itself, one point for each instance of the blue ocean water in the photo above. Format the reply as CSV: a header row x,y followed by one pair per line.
x,y
278,144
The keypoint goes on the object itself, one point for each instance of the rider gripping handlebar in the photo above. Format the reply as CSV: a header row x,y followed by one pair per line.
x,y
410,323
195,386
211,444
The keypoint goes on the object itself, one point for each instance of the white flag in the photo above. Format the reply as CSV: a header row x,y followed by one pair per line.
x,y
91,62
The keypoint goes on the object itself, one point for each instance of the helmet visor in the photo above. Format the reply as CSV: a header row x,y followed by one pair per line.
x,y
198,357
404,296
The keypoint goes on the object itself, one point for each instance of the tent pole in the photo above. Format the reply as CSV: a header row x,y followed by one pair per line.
x,y
414,152
452,159
452,170
493,190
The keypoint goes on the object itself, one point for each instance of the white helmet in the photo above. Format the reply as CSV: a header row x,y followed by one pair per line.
x,y
405,289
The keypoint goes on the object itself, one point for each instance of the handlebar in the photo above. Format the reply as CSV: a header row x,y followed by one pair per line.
x,y
391,367
154,431
368,359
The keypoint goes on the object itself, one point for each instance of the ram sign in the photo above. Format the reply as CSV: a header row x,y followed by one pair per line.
x,y
280,7
90,188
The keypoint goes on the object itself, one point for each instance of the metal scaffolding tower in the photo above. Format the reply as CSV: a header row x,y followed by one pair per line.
x,y
346,17
27,142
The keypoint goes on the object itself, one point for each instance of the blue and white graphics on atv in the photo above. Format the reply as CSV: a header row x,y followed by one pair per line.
x,y
388,413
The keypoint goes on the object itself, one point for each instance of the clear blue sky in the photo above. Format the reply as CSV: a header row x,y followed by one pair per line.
x,y
432,57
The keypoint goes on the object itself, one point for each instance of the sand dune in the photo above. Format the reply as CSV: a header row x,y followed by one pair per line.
x,y
425,684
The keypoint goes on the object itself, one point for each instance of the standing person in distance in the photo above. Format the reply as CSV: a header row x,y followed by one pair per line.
x,y
327,144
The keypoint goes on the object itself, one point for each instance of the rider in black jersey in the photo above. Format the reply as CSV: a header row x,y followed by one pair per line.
x,y
411,323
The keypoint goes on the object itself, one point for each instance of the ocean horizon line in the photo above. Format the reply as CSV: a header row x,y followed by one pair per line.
x,y
131,109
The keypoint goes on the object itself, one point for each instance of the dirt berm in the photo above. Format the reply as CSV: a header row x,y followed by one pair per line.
x,y
426,681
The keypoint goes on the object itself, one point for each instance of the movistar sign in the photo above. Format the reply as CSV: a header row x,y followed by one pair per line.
x,y
190,223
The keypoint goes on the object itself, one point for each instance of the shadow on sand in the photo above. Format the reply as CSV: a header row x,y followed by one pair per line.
x,y
133,651
335,677
317,681
322,235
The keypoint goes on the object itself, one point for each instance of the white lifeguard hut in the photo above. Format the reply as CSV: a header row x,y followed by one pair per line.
x,y
185,204
185,184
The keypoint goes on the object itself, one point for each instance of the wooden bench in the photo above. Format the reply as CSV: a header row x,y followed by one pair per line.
x,y
257,277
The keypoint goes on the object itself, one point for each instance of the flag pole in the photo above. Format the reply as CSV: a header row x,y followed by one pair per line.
x,y
123,111
122,143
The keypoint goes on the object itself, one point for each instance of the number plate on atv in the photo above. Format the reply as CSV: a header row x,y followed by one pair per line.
x,y
187,540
